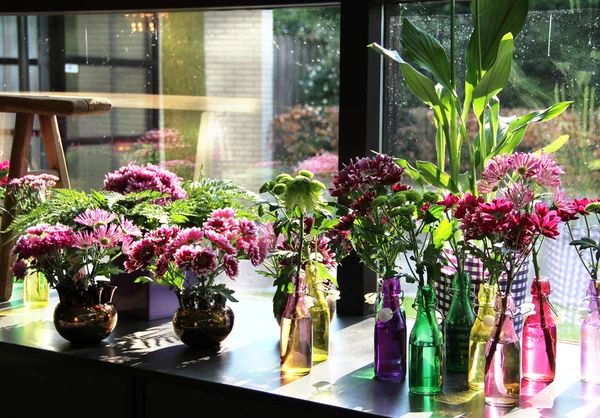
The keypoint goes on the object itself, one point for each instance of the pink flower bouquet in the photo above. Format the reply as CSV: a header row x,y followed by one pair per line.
x,y
75,257
190,259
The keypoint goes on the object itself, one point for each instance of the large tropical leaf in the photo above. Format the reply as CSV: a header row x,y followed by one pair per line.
x,y
434,176
496,19
424,51
496,78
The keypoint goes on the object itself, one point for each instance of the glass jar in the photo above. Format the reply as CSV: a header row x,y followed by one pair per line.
x,y
36,291
296,336
480,334
390,333
426,347
539,336
319,314
590,337
502,382
458,324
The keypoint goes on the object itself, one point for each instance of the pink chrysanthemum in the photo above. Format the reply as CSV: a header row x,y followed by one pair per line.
x,y
525,164
518,194
163,236
223,213
549,172
84,240
224,226
255,254
129,228
496,169
187,236
140,255
231,266
95,217
19,269
565,208
221,242
108,236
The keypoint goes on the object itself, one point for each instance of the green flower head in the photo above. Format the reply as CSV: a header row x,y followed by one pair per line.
x,y
431,197
306,174
284,178
304,193
407,211
398,199
412,196
593,207
279,189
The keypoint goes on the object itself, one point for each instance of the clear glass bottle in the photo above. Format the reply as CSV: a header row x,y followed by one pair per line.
x,y
480,334
296,337
320,315
426,347
390,333
502,382
590,337
458,324
539,336
36,292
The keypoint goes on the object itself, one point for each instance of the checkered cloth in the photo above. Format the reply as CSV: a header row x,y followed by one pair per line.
x,y
474,267
568,277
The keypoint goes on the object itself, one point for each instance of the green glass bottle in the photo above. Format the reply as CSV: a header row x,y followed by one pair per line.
x,y
319,313
458,324
426,347
480,334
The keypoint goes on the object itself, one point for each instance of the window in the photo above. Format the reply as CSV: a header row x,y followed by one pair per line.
x,y
556,59
235,94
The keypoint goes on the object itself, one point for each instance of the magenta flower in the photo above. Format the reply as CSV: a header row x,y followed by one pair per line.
x,y
223,213
564,207
133,178
549,172
95,217
129,228
546,221
231,266
378,170
19,269
204,261
187,236
185,255
140,255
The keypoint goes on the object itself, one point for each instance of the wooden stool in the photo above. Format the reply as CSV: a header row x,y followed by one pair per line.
x,y
47,108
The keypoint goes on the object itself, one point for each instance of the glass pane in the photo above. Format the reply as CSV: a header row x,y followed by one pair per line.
x,y
555,59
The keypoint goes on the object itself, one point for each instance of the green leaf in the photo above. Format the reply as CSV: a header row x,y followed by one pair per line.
x,y
554,145
325,274
517,128
432,175
496,78
442,233
496,19
421,86
412,172
424,51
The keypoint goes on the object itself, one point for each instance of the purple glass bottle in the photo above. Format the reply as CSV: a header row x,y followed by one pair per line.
x,y
390,333
539,336
590,337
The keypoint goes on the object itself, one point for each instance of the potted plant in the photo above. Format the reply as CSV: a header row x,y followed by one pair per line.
x,y
78,262
189,261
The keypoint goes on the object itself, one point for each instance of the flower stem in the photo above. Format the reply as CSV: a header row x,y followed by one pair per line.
x,y
547,337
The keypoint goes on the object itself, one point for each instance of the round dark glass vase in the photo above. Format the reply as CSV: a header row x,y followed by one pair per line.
x,y
202,321
85,316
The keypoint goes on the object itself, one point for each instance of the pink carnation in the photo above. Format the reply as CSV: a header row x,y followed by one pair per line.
x,y
231,266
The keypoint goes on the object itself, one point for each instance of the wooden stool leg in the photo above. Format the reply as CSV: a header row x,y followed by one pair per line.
x,y
19,164
55,155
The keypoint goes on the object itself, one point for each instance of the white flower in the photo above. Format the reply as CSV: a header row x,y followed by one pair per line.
x,y
370,298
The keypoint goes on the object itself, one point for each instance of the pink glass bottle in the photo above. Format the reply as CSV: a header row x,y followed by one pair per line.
x,y
539,336
590,337
502,383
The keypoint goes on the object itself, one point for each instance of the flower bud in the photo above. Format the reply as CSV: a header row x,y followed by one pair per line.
x,y
279,189
284,178
593,207
305,173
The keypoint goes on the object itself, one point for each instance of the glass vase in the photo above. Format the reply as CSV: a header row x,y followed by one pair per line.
x,y
36,292
502,382
390,333
480,334
296,336
426,347
319,314
590,337
539,336
458,324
